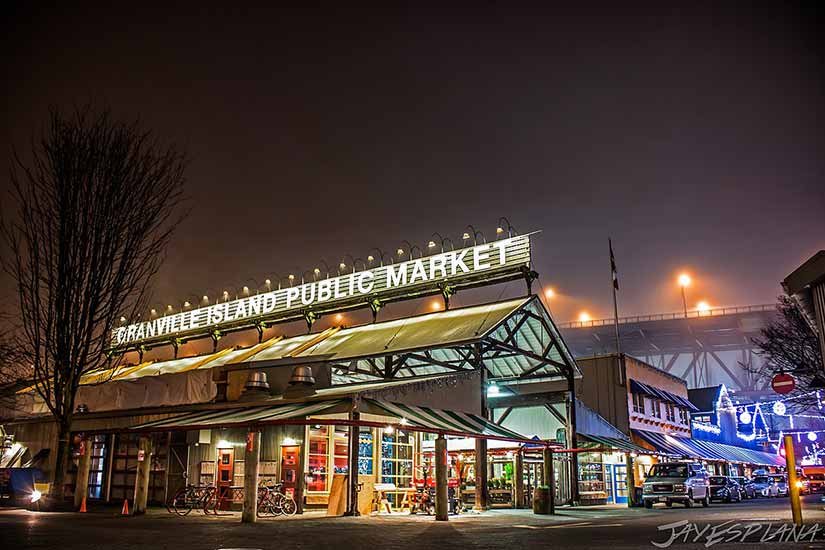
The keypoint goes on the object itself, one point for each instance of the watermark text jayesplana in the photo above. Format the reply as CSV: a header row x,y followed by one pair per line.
x,y
737,532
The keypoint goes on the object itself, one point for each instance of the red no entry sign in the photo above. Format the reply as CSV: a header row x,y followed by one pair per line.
x,y
783,383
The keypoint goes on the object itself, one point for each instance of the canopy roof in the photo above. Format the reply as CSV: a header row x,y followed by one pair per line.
x,y
512,339
707,450
409,417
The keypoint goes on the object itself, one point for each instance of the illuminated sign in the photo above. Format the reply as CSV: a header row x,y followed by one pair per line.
x,y
481,264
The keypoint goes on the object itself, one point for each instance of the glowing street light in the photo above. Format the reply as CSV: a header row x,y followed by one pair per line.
x,y
584,317
549,293
684,282
703,307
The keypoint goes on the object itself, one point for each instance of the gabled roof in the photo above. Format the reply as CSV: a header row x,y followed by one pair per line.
x,y
512,339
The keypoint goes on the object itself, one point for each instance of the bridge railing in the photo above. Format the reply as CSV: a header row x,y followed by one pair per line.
x,y
692,314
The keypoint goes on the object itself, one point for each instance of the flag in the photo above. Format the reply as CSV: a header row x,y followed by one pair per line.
x,y
613,266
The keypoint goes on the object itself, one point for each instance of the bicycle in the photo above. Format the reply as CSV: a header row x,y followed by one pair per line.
x,y
272,501
190,497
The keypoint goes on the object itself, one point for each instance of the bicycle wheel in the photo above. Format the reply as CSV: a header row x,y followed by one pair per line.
x,y
182,503
288,506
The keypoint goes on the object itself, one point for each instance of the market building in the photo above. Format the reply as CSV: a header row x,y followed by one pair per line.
x,y
348,418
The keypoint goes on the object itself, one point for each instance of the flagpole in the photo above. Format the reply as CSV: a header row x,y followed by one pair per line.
x,y
614,283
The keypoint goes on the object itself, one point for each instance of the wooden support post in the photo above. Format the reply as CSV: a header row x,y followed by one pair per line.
x,y
481,467
518,480
81,486
441,504
631,481
251,457
549,476
144,468
352,478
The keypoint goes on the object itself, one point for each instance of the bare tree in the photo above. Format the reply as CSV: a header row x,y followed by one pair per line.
x,y
93,211
789,345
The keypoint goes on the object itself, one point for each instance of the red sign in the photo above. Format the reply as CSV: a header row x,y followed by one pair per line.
x,y
141,455
783,383
250,441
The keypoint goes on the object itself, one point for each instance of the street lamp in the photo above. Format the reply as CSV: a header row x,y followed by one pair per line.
x,y
584,317
500,228
549,293
684,282
702,307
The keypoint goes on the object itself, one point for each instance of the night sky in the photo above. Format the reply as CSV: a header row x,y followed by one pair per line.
x,y
694,140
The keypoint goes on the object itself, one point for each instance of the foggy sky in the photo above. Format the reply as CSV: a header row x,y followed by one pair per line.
x,y
694,140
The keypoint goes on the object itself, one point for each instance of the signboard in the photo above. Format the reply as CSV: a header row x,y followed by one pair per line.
x,y
481,264
783,383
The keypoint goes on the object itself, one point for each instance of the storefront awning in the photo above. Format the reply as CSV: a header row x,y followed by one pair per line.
x,y
617,444
707,450
414,418
248,415
656,393
439,420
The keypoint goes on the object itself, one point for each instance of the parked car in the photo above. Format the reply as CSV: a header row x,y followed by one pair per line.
x,y
782,489
765,486
724,489
682,482
746,489
816,478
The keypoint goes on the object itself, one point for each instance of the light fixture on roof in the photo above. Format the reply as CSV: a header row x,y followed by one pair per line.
x,y
205,298
389,430
779,408
465,236
370,258
186,303
153,311
431,244
122,319
403,422
342,266
400,251
493,390
246,289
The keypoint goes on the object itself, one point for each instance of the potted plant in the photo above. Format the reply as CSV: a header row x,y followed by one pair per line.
x,y
541,500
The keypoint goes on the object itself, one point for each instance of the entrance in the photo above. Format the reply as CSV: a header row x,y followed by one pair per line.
x,y
290,465
226,467
620,483
533,474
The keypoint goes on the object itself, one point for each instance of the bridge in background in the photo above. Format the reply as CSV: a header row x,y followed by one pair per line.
x,y
704,348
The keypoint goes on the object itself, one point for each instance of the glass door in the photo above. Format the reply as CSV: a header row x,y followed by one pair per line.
x,y
620,483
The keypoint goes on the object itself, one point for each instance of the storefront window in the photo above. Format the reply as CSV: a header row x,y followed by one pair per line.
x,y
328,453
397,458
318,458
365,452
591,476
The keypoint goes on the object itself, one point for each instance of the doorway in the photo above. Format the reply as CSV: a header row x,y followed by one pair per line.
x,y
620,483
226,467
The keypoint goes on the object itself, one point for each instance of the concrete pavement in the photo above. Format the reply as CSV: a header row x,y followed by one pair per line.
x,y
613,528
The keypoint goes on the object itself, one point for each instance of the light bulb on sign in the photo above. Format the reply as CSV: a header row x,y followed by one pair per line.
x,y
779,408
745,417
811,436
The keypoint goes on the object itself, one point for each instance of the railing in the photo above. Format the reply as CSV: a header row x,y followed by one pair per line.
x,y
692,314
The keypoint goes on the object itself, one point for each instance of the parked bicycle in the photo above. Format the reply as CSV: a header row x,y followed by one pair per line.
x,y
190,497
274,502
